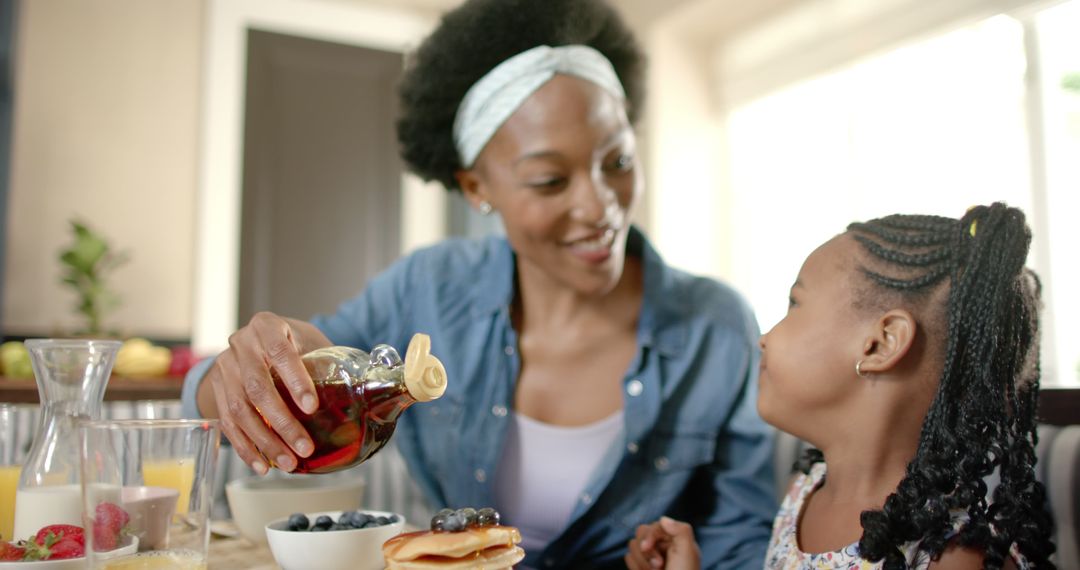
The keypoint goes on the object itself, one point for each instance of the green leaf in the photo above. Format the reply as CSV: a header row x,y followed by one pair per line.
x,y
1071,82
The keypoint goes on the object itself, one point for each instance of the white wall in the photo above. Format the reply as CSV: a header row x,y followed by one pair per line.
x,y
105,128
128,114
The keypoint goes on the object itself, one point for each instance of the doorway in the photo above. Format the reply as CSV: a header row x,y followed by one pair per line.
x,y
321,200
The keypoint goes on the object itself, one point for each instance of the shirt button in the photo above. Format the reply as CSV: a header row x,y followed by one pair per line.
x,y
509,350
661,463
498,411
549,562
634,387
632,447
481,476
586,499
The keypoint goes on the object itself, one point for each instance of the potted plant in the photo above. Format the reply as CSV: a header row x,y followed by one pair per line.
x,y
85,265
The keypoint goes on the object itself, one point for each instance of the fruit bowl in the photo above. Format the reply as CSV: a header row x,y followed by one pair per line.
x,y
255,501
67,563
349,549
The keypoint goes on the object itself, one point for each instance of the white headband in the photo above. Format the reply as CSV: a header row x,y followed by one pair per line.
x,y
492,99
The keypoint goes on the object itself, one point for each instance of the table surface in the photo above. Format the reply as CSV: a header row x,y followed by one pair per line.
x,y
238,553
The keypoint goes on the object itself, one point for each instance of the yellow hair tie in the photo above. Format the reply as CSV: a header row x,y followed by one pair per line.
x,y
974,224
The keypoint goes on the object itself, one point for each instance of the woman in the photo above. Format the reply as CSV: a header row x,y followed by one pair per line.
x,y
592,387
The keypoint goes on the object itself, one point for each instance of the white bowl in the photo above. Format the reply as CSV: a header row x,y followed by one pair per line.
x,y
353,549
68,563
255,501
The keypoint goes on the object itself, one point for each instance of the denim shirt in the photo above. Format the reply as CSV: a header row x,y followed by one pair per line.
x,y
692,447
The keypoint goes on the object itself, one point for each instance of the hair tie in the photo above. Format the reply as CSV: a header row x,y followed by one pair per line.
x,y
496,95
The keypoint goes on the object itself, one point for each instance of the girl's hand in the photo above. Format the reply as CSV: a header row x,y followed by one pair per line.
x,y
240,390
667,544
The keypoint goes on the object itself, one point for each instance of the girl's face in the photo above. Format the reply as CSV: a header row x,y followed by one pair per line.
x,y
563,173
808,358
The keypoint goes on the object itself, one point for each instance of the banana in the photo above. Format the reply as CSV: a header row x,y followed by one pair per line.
x,y
139,358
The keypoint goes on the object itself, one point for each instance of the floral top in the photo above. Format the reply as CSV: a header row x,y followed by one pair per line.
x,y
784,552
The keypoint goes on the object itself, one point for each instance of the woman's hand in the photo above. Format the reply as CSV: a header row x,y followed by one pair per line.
x,y
667,544
240,391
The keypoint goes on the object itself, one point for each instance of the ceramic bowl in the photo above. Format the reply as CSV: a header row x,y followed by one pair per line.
x,y
353,549
151,510
255,501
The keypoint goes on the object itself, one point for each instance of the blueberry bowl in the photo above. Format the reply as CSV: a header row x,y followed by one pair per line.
x,y
332,540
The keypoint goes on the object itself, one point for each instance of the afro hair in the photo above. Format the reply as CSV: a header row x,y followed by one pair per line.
x,y
477,36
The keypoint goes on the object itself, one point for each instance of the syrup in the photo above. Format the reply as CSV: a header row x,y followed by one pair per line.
x,y
361,396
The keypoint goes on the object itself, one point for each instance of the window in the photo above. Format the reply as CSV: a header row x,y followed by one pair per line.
x,y
933,126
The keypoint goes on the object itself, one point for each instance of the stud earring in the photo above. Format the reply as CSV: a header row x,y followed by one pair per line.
x,y
484,208
858,370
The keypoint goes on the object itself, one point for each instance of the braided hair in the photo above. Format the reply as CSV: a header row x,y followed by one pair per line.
x,y
480,34
982,419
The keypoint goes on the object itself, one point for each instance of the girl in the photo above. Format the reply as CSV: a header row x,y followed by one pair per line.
x,y
909,357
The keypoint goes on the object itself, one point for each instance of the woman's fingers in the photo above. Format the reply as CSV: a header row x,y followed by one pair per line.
x,y
282,351
240,442
259,405
259,411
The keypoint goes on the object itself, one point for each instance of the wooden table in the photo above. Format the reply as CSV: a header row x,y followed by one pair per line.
x,y
24,391
238,553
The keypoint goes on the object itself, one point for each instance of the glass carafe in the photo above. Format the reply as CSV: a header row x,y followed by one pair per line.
x,y
361,396
71,377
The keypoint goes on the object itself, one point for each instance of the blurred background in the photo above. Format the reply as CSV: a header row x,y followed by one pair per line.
x,y
230,156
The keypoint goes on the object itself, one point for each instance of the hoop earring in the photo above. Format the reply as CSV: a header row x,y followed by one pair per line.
x,y
858,369
484,208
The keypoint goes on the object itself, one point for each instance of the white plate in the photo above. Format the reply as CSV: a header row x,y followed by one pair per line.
x,y
67,563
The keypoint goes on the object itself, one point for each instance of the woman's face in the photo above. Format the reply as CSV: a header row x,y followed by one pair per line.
x,y
563,174
808,358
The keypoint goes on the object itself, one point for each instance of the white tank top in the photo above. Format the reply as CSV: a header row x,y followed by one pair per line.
x,y
543,471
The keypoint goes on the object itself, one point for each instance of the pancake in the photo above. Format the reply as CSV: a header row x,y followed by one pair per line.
x,y
479,548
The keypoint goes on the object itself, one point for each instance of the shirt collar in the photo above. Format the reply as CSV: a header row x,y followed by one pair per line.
x,y
661,324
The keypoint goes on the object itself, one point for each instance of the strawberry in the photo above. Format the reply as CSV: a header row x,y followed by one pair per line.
x,y
109,521
58,532
66,548
9,552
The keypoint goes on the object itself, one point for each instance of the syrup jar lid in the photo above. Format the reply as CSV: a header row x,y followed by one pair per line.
x,y
425,376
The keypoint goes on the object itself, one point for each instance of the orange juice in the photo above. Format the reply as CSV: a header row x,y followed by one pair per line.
x,y
175,473
158,560
9,480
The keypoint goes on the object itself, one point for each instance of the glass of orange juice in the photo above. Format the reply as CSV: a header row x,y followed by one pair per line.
x,y
148,482
9,470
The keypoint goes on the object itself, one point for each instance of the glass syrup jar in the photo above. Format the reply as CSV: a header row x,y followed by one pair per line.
x,y
361,396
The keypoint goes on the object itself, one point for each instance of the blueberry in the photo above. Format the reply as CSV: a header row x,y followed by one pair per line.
x,y
382,521
324,522
487,516
455,522
469,514
370,524
339,526
318,529
297,521
438,522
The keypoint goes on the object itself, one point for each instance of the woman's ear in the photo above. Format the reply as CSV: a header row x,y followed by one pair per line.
x,y
472,188
889,341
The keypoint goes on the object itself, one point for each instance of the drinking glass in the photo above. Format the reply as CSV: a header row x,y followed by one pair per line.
x,y
154,480
9,470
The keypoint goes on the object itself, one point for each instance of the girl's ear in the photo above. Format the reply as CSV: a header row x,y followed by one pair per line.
x,y
888,342
472,187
